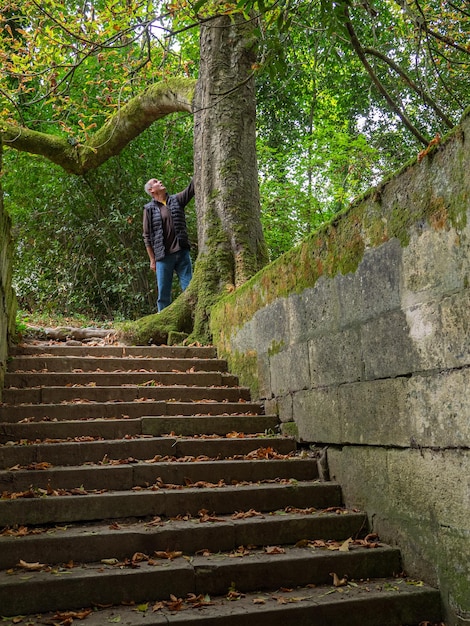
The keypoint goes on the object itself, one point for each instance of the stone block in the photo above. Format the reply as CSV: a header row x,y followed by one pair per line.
x,y
387,349
435,263
290,429
285,407
316,413
439,407
335,358
374,413
455,317
271,406
290,370
315,311
425,333
267,328
264,377
374,288
425,484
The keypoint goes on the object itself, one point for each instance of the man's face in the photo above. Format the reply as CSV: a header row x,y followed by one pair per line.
x,y
156,186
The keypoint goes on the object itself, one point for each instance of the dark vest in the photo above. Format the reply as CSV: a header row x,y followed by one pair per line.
x,y
156,228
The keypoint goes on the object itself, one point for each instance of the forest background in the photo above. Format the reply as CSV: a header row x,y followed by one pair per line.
x,y
346,94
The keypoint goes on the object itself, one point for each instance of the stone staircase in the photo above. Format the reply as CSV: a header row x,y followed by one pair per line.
x,y
140,485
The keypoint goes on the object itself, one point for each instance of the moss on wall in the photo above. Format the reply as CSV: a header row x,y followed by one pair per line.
x,y
246,366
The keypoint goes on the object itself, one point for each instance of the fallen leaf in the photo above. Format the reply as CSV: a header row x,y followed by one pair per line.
x,y
168,555
338,582
138,557
175,604
344,547
234,595
32,567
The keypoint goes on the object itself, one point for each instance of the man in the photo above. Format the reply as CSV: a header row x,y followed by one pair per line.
x,y
166,238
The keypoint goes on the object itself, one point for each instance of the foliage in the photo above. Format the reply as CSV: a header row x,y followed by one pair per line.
x,y
75,62
79,240
26,319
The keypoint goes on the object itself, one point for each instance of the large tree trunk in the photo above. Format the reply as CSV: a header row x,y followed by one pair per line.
x,y
230,237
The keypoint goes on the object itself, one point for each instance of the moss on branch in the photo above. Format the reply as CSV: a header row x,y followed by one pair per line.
x,y
128,122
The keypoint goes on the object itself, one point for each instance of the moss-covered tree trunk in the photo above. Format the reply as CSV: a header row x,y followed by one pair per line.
x,y
231,242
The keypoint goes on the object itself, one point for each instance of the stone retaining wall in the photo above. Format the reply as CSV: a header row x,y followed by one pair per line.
x,y
7,298
360,340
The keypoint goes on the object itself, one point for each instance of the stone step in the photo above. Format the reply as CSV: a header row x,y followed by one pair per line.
x,y
384,602
145,475
138,408
102,584
94,542
41,363
128,393
154,352
37,508
107,379
114,428
79,452
126,476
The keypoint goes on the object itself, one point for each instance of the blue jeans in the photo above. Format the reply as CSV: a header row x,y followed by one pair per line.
x,y
179,262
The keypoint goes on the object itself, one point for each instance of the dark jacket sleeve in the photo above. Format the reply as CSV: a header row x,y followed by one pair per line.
x,y
186,195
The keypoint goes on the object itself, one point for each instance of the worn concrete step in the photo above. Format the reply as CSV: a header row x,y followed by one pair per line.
x,y
137,408
127,393
383,602
94,542
155,352
115,428
101,584
107,379
85,363
37,508
128,475
79,452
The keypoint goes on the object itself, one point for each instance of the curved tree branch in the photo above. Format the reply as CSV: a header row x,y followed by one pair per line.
x,y
428,100
127,123
380,87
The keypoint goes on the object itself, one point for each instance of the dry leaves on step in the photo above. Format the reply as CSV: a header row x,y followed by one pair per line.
x,y
274,550
246,514
204,516
71,615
